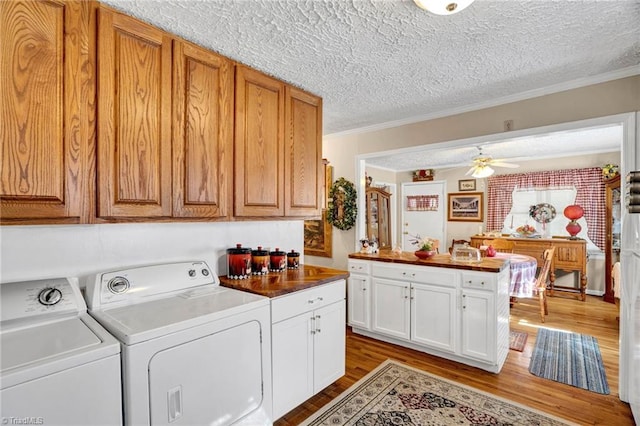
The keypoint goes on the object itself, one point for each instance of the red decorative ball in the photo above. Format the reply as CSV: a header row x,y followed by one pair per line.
x,y
573,212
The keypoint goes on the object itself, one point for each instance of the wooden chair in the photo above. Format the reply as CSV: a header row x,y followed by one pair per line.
x,y
500,244
454,242
541,281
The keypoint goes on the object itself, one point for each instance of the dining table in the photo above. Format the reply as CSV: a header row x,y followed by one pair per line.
x,y
522,270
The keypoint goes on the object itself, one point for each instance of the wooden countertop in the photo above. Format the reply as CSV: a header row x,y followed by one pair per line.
x,y
276,284
488,264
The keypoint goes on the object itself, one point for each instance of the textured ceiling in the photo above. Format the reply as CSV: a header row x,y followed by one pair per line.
x,y
594,140
376,62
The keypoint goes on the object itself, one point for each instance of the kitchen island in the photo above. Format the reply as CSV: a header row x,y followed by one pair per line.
x,y
307,329
455,310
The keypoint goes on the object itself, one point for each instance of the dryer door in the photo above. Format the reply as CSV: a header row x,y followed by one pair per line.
x,y
214,380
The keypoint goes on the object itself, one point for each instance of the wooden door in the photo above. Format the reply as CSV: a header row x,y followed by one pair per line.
x,y
202,132
359,301
328,345
134,118
390,308
434,316
478,328
259,145
292,359
429,219
303,153
46,92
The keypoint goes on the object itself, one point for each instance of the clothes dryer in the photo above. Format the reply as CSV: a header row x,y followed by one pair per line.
x,y
193,352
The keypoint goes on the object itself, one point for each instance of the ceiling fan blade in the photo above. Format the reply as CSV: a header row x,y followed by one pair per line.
x,y
508,165
470,171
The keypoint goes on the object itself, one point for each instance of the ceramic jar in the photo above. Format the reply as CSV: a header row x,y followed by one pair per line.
x,y
260,261
293,259
239,262
277,260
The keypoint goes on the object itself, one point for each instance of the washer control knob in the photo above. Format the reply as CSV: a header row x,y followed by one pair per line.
x,y
49,296
118,285
192,272
205,272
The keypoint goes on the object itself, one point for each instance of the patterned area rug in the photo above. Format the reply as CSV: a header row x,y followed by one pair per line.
x,y
517,340
396,394
570,358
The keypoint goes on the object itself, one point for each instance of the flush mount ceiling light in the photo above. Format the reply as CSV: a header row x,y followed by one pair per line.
x,y
443,7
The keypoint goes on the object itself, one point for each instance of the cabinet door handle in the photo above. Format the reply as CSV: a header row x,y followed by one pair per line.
x,y
464,301
312,322
317,324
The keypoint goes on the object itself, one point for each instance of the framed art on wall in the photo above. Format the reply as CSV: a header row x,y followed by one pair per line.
x,y
318,233
317,237
467,185
465,206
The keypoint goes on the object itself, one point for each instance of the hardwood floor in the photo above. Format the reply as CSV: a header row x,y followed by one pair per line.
x,y
514,382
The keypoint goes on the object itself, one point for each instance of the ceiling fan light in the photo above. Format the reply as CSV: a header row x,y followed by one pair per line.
x,y
483,172
443,7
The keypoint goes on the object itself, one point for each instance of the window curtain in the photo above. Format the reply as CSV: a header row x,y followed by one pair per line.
x,y
590,195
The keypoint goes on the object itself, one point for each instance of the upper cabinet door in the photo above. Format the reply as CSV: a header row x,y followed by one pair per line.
x,y
46,92
303,153
259,145
134,118
202,132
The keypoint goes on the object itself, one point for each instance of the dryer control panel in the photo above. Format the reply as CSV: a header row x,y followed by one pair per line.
x,y
55,296
136,284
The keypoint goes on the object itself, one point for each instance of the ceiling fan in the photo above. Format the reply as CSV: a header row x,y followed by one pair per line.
x,y
481,165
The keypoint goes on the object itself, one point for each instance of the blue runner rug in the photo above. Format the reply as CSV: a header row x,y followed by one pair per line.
x,y
569,358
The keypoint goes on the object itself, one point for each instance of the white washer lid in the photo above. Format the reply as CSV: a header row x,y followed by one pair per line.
x,y
139,322
43,349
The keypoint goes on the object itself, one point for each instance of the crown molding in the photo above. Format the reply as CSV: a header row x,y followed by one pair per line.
x,y
548,90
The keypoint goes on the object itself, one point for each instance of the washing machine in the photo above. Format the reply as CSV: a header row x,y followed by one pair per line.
x,y
193,352
58,365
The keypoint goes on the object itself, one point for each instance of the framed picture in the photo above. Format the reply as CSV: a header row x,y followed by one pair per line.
x,y
465,206
317,237
467,185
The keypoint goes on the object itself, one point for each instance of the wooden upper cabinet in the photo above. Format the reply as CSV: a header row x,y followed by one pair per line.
x,y
134,118
259,145
46,92
303,153
202,132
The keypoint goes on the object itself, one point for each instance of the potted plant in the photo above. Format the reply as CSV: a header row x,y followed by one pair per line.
x,y
426,247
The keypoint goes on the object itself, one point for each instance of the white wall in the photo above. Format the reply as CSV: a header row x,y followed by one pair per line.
x,y
33,252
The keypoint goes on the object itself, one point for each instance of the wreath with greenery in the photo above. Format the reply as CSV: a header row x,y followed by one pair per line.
x,y
342,204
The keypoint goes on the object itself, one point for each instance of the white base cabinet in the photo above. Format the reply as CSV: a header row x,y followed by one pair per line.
x,y
457,314
359,295
308,343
